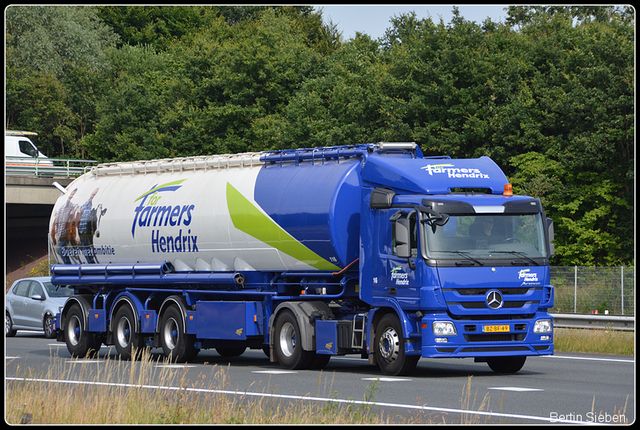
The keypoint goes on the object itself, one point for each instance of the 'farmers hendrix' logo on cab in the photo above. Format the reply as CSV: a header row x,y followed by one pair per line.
x,y
454,172
399,277
152,213
528,277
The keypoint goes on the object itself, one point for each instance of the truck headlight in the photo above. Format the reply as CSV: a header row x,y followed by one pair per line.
x,y
444,328
543,326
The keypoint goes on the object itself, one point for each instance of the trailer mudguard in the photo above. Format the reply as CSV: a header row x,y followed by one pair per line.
x,y
85,303
134,303
175,300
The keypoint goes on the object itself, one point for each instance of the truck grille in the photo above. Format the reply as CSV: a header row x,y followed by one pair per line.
x,y
473,301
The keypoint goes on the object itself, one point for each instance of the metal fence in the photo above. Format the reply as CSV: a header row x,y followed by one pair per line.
x,y
585,290
46,167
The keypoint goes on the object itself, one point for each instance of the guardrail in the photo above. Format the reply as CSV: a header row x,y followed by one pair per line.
x,y
46,167
599,321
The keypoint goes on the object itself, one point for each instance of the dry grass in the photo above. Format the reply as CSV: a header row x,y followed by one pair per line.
x,y
38,399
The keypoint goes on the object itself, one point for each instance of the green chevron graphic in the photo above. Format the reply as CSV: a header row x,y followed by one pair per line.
x,y
250,220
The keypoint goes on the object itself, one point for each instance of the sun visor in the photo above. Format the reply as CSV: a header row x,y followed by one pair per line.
x,y
434,176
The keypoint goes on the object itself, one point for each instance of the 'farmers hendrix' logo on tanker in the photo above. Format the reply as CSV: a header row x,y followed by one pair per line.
x,y
454,172
152,213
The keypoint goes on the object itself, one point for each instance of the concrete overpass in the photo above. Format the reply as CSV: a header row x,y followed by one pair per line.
x,y
28,205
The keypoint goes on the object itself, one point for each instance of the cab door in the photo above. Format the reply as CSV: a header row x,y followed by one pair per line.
x,y
394,272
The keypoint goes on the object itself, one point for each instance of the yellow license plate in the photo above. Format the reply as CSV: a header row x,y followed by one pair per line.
x,y
496,328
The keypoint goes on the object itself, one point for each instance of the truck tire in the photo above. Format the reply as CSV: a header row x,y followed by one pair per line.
x,y
127,341
389,348
80,343
288,345
176,344
319,361
506,364
233,351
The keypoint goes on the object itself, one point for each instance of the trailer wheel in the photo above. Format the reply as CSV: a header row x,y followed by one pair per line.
x,y
127,341
506,364
288,344
176,344
80,343
389,344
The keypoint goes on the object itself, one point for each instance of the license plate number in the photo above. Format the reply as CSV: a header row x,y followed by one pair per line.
x,y
495,328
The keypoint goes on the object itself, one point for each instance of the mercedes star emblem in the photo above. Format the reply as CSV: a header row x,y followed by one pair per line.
x,y
494,299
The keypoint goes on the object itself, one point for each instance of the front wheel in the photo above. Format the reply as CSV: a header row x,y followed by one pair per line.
x,y
176,344
389,344
506,364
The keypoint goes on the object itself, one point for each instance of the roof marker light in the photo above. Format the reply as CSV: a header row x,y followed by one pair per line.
x,y
508,190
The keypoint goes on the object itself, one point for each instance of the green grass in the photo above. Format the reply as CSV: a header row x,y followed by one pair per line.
x,y
594,341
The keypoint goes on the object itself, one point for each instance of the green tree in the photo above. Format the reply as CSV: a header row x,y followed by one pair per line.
x,y
51,39
584,102
47,49
344,104
203,94
158,26
557,94
129,113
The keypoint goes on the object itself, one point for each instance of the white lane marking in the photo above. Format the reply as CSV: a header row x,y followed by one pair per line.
x,y
387,379
616,360
307,398
274,372
174,366
517,389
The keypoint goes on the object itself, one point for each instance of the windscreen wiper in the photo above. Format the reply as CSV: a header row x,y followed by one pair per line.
x,y
465,255
519,254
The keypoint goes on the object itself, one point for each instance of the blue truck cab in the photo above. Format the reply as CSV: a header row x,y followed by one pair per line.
x,y
464,262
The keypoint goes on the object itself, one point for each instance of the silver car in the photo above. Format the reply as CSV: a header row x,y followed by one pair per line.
x,y
32,304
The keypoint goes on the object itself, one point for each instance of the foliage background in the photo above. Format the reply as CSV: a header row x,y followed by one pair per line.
x,y
548,94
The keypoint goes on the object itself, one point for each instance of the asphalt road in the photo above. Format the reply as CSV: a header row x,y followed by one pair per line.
x,y
582,388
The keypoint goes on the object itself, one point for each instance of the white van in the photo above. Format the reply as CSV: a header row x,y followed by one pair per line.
x,y
19,151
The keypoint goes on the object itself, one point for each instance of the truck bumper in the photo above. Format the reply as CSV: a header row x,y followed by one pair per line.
x,y
486,338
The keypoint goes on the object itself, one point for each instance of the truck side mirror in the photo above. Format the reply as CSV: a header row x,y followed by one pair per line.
x,y
550,233
402,236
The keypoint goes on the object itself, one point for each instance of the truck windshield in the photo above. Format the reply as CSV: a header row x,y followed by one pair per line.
x,y
478,236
